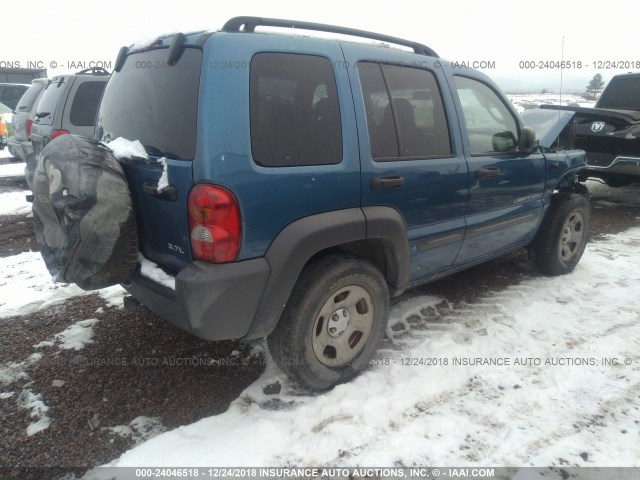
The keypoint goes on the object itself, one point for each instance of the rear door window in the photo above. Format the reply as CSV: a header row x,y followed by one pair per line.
x,y
295,115
415,123
85,104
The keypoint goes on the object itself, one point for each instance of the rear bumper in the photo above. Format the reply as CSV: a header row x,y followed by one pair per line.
x,y
213,302
19,149
621,165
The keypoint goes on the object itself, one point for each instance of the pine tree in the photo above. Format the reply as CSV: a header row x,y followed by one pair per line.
x,y
596,84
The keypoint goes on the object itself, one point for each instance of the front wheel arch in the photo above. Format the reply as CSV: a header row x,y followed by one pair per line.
x,y
564,233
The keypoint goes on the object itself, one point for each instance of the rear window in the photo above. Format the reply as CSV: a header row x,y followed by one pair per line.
x,y
11,95
26,102
154,103
85,104
621,93
49,101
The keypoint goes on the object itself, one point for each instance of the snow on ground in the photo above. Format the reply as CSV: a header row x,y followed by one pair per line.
x,y
14,203
12,372
26,286
140,429
526,101
33,402
11,169
519,378
75,337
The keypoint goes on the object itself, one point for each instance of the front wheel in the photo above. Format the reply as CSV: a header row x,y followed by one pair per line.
x,y
333,322
564,233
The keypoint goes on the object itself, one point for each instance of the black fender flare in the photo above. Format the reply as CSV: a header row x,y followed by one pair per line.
x,y
299,241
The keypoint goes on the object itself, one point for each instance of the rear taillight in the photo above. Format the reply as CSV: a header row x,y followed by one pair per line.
x,y
214,224
57,133
27,127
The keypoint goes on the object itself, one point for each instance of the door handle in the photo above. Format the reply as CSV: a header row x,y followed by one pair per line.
x,y
170,192
488,172
383,183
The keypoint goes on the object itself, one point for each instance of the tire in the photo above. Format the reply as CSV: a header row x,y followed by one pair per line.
x,y
333,322
563,235
83,214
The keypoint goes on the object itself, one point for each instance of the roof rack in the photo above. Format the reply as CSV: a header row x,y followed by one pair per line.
x,y
236,24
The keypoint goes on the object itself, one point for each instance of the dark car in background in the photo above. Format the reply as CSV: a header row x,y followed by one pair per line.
x,y
20,141
610,132
68,105
10,94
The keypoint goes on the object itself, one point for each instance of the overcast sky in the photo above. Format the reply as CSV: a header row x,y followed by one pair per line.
x,y
503,32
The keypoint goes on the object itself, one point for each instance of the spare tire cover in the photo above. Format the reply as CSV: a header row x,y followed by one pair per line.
x,y
84,218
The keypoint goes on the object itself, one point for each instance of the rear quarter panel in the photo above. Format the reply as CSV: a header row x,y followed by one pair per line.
x,y
269,198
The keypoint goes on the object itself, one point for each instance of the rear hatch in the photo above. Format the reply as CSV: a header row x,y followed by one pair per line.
x,y
46,112
155,103
24,109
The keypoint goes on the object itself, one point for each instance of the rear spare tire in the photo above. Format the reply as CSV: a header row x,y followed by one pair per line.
x,y
83,214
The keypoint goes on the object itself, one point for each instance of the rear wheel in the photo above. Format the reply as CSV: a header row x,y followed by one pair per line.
x,y
333,323
564,233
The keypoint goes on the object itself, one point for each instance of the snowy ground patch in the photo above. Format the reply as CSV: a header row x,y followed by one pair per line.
x,y
14,371
75,337
525,101
546,372
12,170
14,203
33,402
26,285
140,429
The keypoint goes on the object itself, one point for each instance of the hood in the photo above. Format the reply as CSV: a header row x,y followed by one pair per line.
x,y
548,124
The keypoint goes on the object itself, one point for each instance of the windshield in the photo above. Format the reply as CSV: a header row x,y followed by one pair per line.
x,y
154,103
621,93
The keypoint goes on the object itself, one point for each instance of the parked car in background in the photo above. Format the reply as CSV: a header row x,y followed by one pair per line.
x,y
293,197
610,132
4,110
20,139
68,105
10,94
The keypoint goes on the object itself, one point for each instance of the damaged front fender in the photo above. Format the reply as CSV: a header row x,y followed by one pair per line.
x,y
555,130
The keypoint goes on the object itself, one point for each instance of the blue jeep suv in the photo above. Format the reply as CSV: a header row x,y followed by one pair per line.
x,y
287,186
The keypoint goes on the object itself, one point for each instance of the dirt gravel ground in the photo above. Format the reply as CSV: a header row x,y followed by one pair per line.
x,y
141,367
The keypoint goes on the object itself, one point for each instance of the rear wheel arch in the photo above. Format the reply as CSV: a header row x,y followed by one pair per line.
x,y
307,240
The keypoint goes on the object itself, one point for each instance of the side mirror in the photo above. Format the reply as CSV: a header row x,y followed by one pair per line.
x,y
504,142
527,142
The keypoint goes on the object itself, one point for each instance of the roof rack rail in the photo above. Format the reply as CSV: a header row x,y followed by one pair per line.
x,y
250,23
93,71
